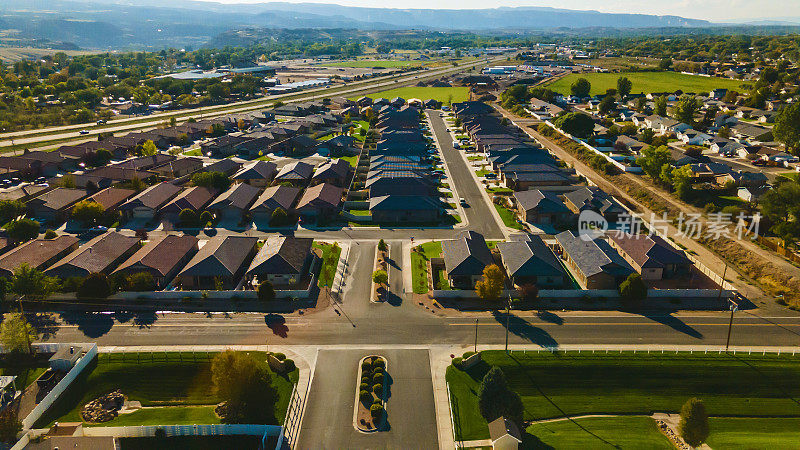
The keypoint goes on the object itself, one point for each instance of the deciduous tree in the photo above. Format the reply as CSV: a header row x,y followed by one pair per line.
x,y
491,286
693,425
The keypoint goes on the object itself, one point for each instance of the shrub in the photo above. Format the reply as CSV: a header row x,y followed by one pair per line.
x,y
141,282
265,291
378,389
457,361
289,365
379,363
376,410
363,387
377,401
50,234
160,433
377,378
365,396
279,356
366,379
95,286
365,366
467,354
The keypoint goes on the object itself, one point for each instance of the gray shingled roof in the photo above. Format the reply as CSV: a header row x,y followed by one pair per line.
x,y
530,258
467,254
593,256
281,255
221,256
97,255
276,197
542,201
161,255
238,196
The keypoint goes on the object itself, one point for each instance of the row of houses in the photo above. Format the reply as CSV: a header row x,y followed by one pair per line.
x,y
178,260
601,263
401,182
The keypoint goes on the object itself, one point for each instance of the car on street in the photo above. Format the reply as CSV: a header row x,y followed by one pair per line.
x,y
462,201
83,132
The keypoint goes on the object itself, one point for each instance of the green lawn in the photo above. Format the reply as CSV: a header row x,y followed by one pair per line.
x,y
353,160
632,432
483,172
194,152
26,371
441,94
508,216
419,266
369,63
748,433
330,262
646,82
628,383
176,384
359,212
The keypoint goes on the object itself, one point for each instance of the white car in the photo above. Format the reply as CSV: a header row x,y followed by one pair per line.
x,y
463,201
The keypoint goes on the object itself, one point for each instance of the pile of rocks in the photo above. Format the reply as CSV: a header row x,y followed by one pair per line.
x,y
103,408
666,429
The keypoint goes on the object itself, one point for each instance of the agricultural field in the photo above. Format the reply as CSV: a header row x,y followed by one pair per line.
x,y
630,384
646,82
441,94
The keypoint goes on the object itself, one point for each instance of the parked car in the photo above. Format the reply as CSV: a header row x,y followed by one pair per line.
x,y
463,201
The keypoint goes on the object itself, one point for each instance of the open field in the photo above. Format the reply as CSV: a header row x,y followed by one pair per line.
x,y
645,82
626,432
14,54
746,433
623,62
630,383
441,94
178,382
369,63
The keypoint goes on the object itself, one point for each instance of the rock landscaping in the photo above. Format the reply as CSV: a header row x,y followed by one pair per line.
x,y
104,408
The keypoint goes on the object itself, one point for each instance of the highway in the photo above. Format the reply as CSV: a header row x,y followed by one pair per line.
x,y
140,123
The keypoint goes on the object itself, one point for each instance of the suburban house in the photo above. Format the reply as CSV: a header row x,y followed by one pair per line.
x,y
256,173
593,262
161,258
532,262
101,254
282,260
53,206
651,256
297,172
322,200
111,198
538,206
179,167
146,204
465,258
226,166
272,198
223,260
405,209
234,203
504,434
594,199
38,253
194,198
335,171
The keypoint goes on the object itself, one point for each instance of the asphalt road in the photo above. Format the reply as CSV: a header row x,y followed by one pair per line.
x,y
411,421
548,329
478,212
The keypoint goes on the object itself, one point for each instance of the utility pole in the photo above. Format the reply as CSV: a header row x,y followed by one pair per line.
x,y
733,307
475,348
508,319
722,282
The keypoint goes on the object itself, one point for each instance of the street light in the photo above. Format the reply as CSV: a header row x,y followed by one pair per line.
x,y
733,307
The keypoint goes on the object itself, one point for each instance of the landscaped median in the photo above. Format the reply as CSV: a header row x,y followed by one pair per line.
x,y
169,389
629,387
370,407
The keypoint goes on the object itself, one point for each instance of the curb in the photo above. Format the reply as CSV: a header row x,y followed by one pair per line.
x,y
357,400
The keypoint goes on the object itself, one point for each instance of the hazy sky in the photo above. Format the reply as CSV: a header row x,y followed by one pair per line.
x,y
699,9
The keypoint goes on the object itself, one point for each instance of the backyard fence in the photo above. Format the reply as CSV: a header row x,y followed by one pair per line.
x,y
62,385
185,430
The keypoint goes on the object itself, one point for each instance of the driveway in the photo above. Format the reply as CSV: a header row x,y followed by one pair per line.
x,y
328,421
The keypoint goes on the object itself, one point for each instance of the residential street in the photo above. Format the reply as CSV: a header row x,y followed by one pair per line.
x,y
411,421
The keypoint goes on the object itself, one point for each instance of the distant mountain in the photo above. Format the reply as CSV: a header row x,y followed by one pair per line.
x,y
112,24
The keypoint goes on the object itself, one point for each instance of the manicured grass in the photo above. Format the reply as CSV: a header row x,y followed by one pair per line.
x,y
646,82
369,63
790,175
359,212
26,370
628,383
353,160
330,262
483,172
419,266
441,94
748,433
501,190
173,415
630,432
508,216
194,152
174,383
